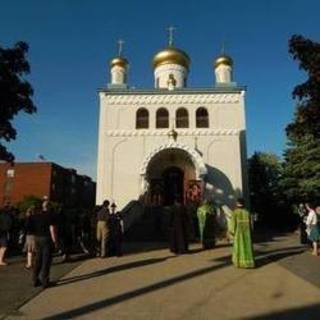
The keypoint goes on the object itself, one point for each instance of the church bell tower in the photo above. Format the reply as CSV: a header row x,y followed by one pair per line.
x,y
223,65
171,66
119,69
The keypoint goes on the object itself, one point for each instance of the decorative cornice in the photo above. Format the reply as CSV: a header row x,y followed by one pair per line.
x,y
193,154
181,99
218,89
181,132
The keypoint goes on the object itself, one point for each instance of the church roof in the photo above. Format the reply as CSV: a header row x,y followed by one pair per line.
x,y
171,55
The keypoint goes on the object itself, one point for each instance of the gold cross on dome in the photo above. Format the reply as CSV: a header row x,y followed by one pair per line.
x,y
120,47
171,29
223,47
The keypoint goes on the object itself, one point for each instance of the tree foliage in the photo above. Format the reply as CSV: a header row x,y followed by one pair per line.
x,y
31,200
28,202
301,178
307,115
15,92
265,171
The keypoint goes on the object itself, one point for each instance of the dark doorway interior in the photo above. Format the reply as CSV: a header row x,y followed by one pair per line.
x,y
173,184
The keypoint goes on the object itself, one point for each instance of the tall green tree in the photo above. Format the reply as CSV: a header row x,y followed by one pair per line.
x,y
266,197
301,178
15,93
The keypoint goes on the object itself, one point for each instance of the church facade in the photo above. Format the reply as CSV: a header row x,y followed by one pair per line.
x,y
171,141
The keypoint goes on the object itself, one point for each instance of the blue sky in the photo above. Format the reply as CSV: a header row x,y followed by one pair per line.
x,y
71,42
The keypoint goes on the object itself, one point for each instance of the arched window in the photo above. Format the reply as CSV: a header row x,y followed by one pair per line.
x,y
202,118
142,119
182,118
162,118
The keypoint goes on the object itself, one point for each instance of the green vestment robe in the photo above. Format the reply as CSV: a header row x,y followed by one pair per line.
x,y
206,220
242,255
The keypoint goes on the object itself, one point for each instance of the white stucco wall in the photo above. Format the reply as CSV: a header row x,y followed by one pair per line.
x,y
162,73
118,75
122,148
223,74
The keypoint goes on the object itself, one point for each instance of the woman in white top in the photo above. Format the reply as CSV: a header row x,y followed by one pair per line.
x,y
312,228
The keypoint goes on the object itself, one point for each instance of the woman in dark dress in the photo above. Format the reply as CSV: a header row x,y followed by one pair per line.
x,y
178,228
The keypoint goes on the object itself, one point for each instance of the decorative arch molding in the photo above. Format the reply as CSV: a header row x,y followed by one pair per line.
x,y
162,118
201,169
155,99
182,132
202,117
142,118
182,118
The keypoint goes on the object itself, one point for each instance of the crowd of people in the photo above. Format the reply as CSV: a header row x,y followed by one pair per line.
x,y
100,233
239,229
309,214
45,231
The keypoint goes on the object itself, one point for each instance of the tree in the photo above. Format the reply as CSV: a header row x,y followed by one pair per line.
x,y
15,92
307,115
28,202
266,197
31,200
301,178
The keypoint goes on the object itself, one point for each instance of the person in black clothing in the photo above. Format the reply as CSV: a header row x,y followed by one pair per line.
x,y
116,231
64,234
303,213
29,246
178,228
5,227
41,225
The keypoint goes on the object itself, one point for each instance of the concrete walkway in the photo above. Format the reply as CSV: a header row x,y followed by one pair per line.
x,y
16,282
202,285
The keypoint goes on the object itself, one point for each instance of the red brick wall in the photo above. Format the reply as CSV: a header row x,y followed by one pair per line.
x,y
29,179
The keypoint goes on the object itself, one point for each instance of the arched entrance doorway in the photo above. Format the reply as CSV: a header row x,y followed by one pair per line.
x,y
173,182
170,170
172,154
168,174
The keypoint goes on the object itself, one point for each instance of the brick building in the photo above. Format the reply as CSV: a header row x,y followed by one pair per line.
x,y
40,179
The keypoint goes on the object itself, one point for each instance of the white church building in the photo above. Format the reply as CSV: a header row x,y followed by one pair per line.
x,y
156,144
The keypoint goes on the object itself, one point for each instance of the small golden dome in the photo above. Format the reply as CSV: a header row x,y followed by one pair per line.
x,y
171,55
223,60
119,61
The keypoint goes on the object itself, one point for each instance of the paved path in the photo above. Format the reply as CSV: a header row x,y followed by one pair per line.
x,y
16,283
202,285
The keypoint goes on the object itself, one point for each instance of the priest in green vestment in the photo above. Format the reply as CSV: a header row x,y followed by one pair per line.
x,y
206,220
240,227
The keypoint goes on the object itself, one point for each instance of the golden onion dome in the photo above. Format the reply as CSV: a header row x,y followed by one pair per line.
x,y
119,61
171,55
223,60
